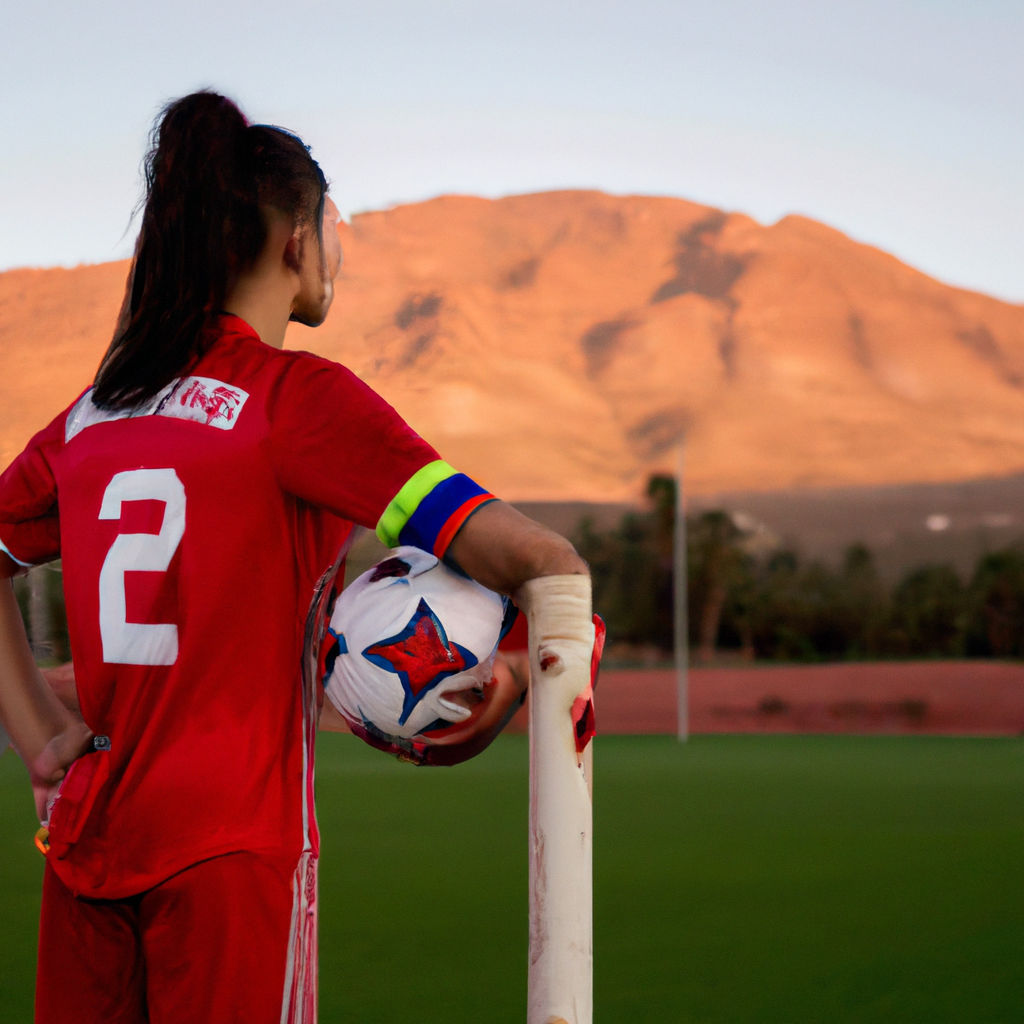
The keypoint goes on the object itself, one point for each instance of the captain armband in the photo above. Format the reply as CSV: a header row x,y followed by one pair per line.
x,y
431,508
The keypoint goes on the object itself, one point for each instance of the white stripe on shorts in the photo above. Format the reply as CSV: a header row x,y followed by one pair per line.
x,y
299,1002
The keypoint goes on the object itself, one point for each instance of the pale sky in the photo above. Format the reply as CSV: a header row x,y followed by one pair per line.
x,y
899,122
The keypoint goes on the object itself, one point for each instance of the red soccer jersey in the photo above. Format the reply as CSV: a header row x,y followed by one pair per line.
x,y
192,534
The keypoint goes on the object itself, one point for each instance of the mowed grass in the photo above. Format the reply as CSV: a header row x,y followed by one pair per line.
x,y
738,879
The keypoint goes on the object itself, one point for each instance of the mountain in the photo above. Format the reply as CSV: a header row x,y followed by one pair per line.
x,y
558,346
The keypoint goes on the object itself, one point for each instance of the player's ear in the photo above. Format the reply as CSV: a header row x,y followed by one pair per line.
x,y
293,249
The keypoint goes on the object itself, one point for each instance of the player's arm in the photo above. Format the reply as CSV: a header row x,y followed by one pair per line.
x,y
510,553
45,734
507,552
443,511
503,549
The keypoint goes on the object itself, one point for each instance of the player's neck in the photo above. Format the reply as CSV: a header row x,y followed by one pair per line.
x,y
268,319
263,296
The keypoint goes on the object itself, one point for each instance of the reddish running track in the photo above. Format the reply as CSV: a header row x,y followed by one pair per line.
x,y
965,697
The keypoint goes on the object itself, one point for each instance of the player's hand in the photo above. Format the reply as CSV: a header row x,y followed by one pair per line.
x,y
48,769
46,784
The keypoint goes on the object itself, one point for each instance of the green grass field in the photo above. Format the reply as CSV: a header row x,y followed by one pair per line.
x,y
738,879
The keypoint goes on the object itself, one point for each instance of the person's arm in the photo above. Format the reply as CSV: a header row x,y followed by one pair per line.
x,y
503,549
46,735
61,679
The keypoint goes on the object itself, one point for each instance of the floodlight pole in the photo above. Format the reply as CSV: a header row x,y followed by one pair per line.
x,y
681,622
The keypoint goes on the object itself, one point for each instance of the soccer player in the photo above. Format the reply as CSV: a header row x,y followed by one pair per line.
x,y
195,494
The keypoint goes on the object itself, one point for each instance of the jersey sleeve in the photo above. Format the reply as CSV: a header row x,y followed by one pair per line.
x,y
29,523
338,445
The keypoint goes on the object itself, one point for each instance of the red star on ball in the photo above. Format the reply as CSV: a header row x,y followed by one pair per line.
x,y
420,655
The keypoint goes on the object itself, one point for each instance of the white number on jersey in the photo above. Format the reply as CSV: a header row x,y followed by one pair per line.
x,y
136,643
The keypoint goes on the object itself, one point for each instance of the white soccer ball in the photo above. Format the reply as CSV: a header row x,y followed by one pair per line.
x,y
410,633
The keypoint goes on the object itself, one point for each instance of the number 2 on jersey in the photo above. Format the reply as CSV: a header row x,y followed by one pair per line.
x,y
138,643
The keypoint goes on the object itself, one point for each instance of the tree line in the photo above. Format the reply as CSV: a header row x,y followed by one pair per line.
x,y
782,607
779,606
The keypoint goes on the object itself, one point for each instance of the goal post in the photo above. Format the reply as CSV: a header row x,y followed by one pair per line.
x,y
560,989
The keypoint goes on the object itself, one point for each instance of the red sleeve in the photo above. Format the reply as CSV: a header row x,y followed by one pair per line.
x,y
337,444
29,524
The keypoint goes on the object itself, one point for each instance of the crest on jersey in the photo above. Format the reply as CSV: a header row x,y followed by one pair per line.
x,y
207,401
421,655
199,399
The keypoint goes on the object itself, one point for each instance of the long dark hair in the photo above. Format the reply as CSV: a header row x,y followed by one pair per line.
x,y
208,174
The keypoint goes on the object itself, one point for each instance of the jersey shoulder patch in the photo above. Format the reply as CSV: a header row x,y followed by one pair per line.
x,y
199,399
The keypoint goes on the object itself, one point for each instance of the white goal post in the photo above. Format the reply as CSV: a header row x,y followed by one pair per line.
x,y
561,809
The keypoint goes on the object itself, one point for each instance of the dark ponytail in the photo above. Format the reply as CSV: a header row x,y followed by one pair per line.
x,y
208,174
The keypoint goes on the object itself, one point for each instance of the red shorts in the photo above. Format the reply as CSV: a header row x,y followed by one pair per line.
x,y
219,943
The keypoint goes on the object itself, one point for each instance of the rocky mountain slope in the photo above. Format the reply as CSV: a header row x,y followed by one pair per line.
x,y
559,346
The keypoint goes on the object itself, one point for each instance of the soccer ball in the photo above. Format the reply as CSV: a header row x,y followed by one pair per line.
x,y
409,659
